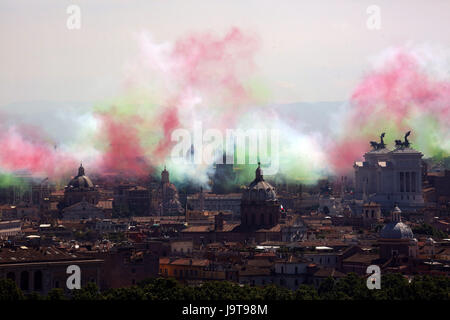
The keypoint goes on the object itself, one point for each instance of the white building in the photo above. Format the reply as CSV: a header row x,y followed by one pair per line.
x,y
390,177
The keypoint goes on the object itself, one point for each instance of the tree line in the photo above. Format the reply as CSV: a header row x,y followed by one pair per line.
x,y
351,287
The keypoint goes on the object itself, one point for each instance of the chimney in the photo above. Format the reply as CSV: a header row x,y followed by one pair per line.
x,y
218,222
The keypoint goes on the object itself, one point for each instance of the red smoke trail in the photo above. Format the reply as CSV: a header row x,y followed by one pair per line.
x,y
170,122
124,154
401,84
35,156
391,94
216,67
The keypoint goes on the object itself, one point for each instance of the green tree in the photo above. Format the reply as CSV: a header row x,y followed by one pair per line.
x,y
9,290
354,287
89,292
394,286
306,292
273,292
328,290
128,294
56,294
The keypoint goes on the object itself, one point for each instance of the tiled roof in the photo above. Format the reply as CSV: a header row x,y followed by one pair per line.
x,y
361,258
185,262
328,272
24,254
254,271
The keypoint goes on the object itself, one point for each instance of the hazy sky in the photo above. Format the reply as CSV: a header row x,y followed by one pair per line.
x,y
312,50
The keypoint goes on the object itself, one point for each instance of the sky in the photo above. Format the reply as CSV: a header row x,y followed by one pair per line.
x,y
311,50
112,92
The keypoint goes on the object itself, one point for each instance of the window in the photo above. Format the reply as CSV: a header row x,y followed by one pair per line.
x,y
296,270
402,181
407,181
24,281
38,280
56,284
413,182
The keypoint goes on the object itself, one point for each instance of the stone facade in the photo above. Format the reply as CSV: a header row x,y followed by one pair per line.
x,y
260,207
390,177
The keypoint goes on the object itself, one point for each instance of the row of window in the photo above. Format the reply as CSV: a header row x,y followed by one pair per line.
x,y
24,281
408,182
253,219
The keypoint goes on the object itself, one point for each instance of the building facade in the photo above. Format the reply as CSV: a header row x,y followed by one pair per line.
x,y
390,177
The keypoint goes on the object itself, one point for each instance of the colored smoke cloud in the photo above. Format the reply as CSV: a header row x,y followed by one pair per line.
x,y
401,93
214,79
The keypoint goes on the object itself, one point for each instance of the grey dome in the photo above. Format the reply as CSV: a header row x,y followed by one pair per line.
x,y
259,190
80,181
396,230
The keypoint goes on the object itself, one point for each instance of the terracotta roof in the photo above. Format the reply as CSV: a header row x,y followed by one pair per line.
x,y
24,254
361,258
261,263
328,272
254,271
185,261
276,228
198,229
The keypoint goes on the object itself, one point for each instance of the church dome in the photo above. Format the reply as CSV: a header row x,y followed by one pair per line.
x,y
396,230
259,190
80,181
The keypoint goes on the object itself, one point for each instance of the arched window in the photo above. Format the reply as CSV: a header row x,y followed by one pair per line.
x,y
24,280
38,280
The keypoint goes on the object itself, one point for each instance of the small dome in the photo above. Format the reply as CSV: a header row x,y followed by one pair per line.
x,y
80,181
259,190
396,230
397,209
